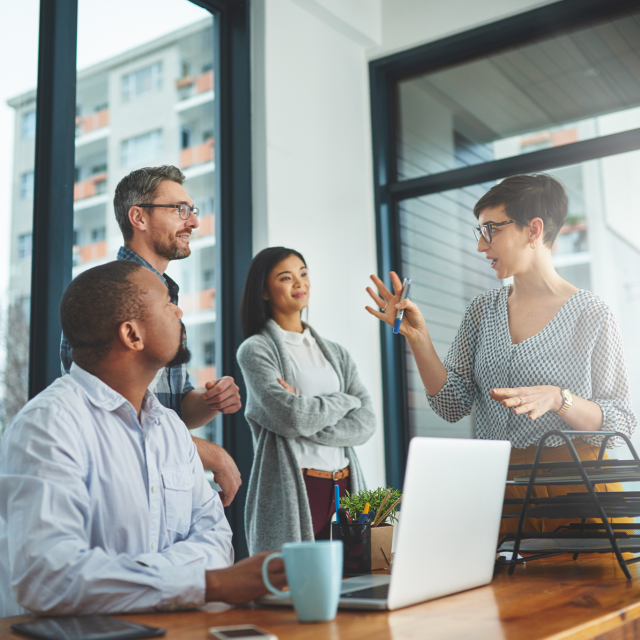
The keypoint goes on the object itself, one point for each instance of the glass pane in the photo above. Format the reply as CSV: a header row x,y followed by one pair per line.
x,y
17,130
148,101
597,249
551,92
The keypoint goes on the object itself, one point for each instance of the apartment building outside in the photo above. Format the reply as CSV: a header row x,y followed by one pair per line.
x,y
149,106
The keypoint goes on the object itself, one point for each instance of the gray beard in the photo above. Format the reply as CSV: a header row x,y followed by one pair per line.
x,y
170,251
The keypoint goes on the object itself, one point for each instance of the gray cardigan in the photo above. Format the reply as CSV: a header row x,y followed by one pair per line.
x,y
277,508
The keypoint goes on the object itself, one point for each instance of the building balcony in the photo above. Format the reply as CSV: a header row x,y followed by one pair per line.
x,y
90,123
198,154
89,252
202,375
93,186
198,301
195,85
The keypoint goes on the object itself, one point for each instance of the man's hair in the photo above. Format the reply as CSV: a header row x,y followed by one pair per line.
x,y
95,304
526,197
140,187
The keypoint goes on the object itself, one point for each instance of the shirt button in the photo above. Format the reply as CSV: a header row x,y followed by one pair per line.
x,y
186,481
154,544
154,489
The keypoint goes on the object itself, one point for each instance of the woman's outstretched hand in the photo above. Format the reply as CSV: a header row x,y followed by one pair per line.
x,y
535,401
413,325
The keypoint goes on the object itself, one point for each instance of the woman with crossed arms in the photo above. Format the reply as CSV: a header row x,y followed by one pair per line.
x,y
533,356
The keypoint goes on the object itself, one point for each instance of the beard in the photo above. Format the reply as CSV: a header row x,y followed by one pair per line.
x,y
183,355
169,249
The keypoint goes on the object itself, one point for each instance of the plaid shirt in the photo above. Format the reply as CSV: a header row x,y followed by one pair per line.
x,y
172,383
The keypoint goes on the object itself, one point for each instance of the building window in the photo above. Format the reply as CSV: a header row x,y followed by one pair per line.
x,y
24,246
209,349
26,185
141,148
142,81
98,234
208,278
29,125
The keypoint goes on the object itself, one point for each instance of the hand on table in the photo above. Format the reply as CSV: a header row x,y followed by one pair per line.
x,y
535,401
222,395
225,471
413,324
286,386
243,581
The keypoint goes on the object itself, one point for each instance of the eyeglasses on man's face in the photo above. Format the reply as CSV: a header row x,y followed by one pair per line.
x,y
486,230
184,210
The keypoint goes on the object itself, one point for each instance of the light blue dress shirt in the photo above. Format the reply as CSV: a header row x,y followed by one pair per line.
x,y
101,512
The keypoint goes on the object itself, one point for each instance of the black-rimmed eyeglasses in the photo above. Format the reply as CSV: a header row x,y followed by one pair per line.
x,y
486,230
184,210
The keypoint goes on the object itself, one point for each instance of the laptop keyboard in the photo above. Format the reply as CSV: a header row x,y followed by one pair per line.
x,y
380,592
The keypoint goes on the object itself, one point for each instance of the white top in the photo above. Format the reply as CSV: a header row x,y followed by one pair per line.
x,y
312,376
101,512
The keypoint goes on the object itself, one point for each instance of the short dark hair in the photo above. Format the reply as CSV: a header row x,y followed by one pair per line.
x,y
95,304
254,309
139,187
529,196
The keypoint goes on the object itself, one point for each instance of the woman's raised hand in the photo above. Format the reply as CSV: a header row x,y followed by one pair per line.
x,y
413,325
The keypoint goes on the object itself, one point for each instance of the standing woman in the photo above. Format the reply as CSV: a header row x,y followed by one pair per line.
x,y
533,356
305,404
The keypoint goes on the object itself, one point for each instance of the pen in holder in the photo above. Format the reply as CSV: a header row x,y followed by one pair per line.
x,y
356,543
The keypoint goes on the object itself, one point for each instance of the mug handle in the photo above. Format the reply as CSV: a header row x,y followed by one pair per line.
x,y
265,576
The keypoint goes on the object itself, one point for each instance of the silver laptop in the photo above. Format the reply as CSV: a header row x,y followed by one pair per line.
x,y
448,531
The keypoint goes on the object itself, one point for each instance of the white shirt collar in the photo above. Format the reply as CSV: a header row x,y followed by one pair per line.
x,y
297,339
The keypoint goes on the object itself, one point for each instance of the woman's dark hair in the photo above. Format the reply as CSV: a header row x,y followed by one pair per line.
x,y
254,309
526,197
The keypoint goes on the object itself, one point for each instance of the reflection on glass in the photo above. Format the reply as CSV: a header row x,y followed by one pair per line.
x,y
551,92
17,129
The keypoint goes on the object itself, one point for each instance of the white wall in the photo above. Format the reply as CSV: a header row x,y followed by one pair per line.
x,y
313,187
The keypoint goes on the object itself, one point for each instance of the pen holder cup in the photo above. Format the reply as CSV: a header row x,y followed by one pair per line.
x,y
356,544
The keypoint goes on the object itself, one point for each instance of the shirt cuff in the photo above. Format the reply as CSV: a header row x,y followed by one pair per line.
x,y
182,587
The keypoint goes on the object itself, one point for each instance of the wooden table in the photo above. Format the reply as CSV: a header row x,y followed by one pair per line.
x,y
551,598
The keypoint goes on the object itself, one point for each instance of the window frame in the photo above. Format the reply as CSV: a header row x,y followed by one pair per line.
x,y
52,259
384,75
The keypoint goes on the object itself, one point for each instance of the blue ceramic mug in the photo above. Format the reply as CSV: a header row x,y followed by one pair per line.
x,y
314,574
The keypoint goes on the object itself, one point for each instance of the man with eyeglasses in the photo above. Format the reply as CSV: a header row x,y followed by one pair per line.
x,y
157,217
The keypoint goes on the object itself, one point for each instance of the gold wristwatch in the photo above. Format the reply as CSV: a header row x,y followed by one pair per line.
x,y
568,401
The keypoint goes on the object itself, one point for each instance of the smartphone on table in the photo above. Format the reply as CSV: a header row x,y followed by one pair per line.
x,y
241,632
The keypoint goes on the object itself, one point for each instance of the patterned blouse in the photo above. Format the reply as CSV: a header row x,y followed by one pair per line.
x,y
580,350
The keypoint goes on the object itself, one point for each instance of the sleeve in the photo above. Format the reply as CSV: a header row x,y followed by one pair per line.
x,y
209,539
53,568
357,426
276,409
65,355
610,383
187,387
455,400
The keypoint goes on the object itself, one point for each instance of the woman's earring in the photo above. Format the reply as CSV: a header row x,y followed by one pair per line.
x,y
532,245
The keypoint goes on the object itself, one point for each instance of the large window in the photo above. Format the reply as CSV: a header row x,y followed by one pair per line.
x,y
567,103
17,131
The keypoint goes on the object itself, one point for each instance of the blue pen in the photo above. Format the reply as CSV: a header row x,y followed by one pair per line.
x,y
405,292
337,490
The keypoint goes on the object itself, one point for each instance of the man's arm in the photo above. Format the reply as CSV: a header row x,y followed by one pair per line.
x,y
199,406
225,471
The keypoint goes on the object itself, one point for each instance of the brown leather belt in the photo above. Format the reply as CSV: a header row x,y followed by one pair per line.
x,y
327,475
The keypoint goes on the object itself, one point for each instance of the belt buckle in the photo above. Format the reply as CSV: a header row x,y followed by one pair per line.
x,y
334,475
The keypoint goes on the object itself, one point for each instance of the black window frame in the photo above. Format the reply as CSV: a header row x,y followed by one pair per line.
x,y
384,75
53,202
